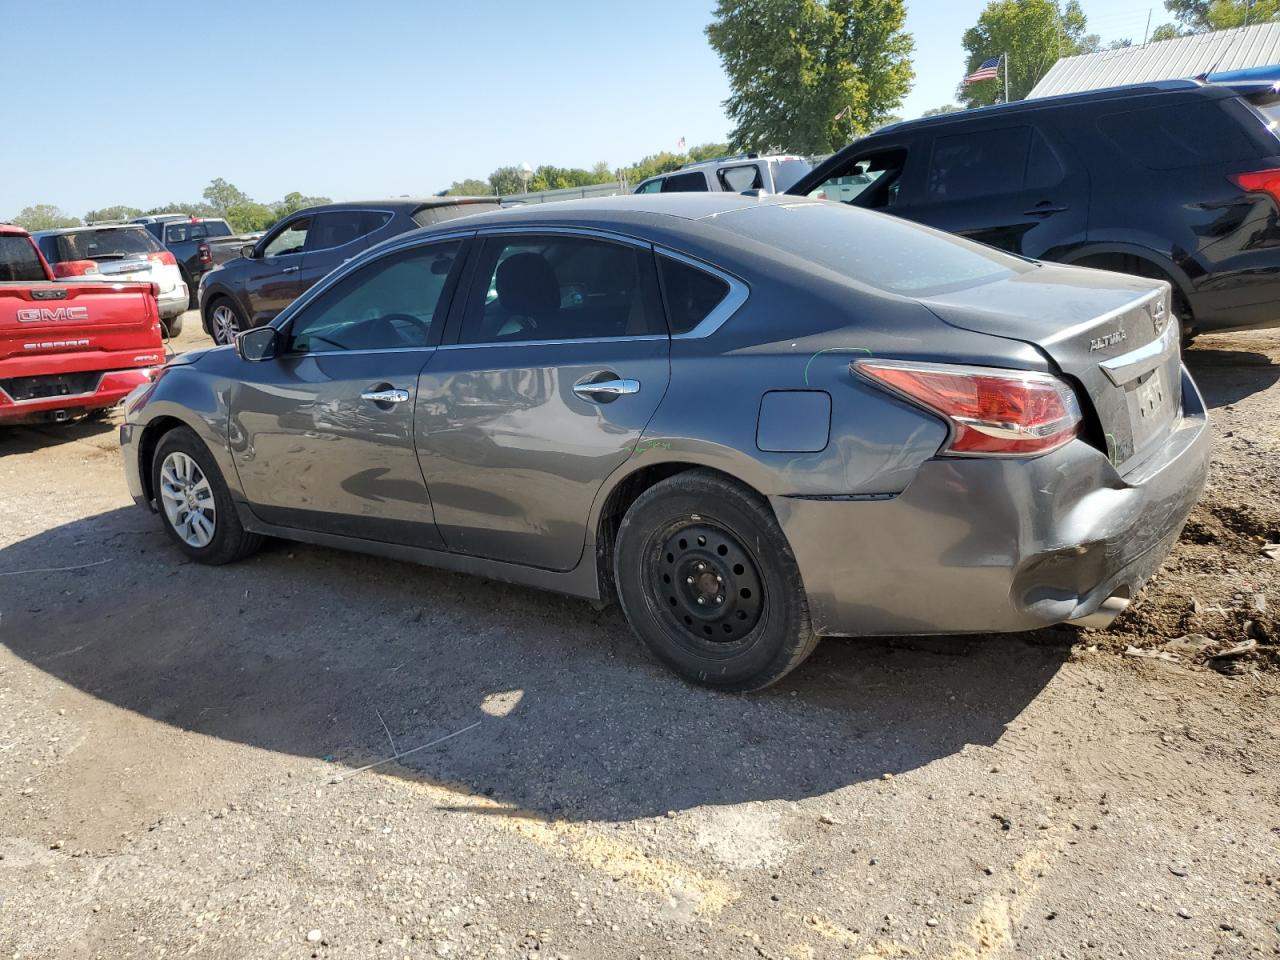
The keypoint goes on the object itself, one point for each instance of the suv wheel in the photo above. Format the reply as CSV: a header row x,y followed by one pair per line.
x,y
225,322
708,582
195,504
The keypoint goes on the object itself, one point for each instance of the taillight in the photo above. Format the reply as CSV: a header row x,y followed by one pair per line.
x,y
163,256
1259,181
74,268
991,412
204,253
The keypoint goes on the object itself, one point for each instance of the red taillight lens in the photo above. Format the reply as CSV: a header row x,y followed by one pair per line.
x,y
991,412
163,256
74,268
1259,181
204,253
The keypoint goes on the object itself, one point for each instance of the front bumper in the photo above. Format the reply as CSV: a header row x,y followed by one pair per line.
x,y
111,388
992,545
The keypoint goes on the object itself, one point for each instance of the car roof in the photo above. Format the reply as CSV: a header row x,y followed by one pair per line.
x,y
1050,103
89,226
12,230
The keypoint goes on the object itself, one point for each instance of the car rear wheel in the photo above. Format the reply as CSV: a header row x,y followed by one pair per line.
x,y
225,322
195,504
172,326
708,582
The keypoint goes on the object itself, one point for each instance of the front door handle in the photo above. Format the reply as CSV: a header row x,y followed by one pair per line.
x,y
390,395
289,270
1044,209
597,390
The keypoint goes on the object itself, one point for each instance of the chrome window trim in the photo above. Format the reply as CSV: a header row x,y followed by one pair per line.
x,y
549,343
738,293
563,230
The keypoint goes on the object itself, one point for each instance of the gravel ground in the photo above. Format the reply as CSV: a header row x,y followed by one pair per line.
x,y
183,754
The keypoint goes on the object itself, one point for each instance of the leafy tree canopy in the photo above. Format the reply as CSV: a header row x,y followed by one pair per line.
x,y
118,212
1033,33
471,187
811,75
1201,16
295,201
44,216
945,108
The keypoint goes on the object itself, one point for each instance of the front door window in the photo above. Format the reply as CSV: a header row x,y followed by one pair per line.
x,y
290,240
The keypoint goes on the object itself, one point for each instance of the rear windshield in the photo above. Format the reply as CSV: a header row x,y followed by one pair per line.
x,y
1268,105
877,250
18,261
113,244
182,231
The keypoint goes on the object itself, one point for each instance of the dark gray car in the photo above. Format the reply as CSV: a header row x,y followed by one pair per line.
x,y
752,421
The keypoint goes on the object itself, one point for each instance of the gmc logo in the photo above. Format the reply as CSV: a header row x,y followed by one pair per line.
x,y
54,315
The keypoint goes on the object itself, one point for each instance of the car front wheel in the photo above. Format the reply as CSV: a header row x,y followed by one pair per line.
x,y
709,583
194,502
225,322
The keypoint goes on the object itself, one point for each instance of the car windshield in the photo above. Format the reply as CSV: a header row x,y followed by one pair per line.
x,y
109,244
877,250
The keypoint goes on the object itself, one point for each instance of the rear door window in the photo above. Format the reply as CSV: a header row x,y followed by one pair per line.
x,y
19,262
741,179
695,182
335,228
978,163
1179,135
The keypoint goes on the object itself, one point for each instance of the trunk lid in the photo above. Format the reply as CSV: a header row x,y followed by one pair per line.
x,y
1114,335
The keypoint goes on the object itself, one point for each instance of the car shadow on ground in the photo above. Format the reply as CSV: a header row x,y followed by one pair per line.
x,y
29,438
1227,376
311,651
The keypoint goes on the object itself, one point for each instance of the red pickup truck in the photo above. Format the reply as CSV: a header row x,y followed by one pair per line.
x,y
69,347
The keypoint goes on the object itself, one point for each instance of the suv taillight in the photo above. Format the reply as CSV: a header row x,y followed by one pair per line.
x,y
74,268
1259,181
204,253
163,256
991,412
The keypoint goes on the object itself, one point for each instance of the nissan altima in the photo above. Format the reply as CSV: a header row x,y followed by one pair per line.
x,y
751,421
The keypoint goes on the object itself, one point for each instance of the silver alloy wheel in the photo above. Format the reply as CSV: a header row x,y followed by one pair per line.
x,y
187,499
226,325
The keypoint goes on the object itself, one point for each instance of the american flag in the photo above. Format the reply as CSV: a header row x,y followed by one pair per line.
x,y
987,70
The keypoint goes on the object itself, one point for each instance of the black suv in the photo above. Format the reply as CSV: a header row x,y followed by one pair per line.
x,y
1178,180
302,248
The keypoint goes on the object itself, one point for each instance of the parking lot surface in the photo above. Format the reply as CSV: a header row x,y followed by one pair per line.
x,y
185,753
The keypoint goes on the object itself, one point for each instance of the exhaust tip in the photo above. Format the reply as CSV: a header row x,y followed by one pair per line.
x,y
1107,611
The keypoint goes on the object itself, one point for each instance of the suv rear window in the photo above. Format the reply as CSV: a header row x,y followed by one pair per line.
x,y
1179,135
112,244
18,261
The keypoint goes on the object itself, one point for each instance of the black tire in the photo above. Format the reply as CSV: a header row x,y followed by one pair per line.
x,y
752,627
214,323
229,540
172,326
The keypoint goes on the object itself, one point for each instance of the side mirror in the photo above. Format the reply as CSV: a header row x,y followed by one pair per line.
x,y
248,250
257,344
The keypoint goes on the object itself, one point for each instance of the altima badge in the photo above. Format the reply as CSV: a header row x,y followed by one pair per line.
x,y
1109,340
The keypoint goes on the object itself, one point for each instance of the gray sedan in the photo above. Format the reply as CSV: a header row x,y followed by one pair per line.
x,y
752,421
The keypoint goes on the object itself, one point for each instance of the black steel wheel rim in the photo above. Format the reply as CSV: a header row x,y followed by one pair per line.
x,y
705,585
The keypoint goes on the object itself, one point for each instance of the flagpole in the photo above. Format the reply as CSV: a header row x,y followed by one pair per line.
x,y
1005,57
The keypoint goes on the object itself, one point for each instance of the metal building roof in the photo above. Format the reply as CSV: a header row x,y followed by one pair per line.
x,y
1175,59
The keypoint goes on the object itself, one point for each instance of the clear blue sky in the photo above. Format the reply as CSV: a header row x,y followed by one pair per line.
x,y
145,103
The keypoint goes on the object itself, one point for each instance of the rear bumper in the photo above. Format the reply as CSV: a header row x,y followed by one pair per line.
x,y
978,545
112,387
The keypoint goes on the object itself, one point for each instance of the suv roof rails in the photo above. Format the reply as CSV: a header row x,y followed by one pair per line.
x,y
731,156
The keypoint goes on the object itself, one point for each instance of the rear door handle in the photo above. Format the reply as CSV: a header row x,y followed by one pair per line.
x,y
1044,209
597,390
390,395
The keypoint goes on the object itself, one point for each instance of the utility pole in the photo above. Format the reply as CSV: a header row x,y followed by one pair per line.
x,y
1006,78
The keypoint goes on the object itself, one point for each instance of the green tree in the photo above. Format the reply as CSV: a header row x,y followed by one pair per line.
x,y
1032,33
470,187
1166,31
505,181
224,196
190,209
44,216
118,212
945,108
295,201
249,216
1201,16
811,75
